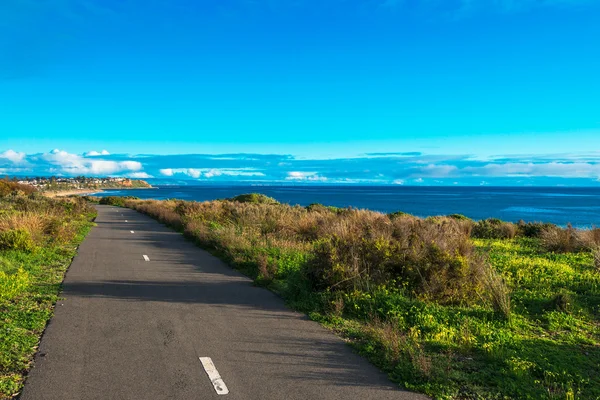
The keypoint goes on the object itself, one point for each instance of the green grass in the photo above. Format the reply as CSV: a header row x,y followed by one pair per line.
x,y
546,346
30,281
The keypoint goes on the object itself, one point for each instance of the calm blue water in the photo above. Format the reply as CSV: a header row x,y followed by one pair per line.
x,y
579,206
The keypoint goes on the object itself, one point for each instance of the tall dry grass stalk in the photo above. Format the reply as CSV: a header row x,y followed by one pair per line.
x,y
569,239
589,238
33,223
496,291
596,255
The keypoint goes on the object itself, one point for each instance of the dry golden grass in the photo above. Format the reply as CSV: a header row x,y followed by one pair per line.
x,y
569,239
589,238
34,223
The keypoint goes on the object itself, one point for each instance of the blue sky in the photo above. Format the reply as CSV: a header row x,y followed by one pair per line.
x,y
461,91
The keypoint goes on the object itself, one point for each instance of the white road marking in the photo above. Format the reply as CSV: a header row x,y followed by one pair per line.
x,y
146,258
126,221
213,375
132,231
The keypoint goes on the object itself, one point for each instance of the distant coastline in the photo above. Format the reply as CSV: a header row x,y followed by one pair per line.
x,y
61,186
85,192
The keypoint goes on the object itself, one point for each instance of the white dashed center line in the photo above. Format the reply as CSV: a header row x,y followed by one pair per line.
x,y
146,258
213,375
132,231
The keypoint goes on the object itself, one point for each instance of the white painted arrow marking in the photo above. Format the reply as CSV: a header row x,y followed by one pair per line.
x,y
213,375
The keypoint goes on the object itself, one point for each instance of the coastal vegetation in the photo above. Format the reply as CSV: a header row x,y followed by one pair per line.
x,y
447,306
38,239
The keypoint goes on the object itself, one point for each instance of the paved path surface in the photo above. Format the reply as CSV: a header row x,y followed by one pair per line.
x,y
135,329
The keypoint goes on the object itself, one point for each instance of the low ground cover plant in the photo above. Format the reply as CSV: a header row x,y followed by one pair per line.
x,y
446,306
38,238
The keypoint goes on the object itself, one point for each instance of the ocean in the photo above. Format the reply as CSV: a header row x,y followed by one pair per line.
x,y
559,205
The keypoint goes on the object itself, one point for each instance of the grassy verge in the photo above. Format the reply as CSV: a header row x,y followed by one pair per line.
x,y
38,239
446,306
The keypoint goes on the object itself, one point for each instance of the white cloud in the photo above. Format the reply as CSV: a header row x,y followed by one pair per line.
x,y
437,171
130,165
194,173
390,170
304,176
73,164
94,153
552,169
213,172
191,172
139,175
299,175
210,172
13,156
232,172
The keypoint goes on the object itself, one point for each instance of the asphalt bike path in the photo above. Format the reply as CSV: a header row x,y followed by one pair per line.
x,y
145,314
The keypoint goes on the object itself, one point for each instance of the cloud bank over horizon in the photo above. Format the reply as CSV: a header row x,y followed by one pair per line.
x,y
403,168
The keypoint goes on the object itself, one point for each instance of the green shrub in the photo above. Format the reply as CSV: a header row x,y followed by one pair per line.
x,y
90,199
254,198
16,239
113,201
434,260
493,228
396,214
188,208
562,302
61,230
318,207
459,217
532,229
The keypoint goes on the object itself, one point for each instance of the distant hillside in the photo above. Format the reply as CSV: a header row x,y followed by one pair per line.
x,y
59,184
